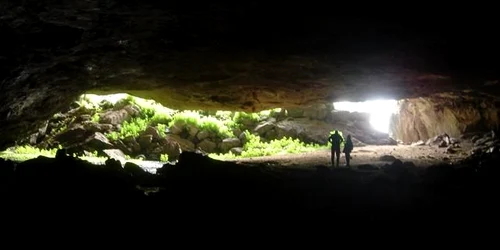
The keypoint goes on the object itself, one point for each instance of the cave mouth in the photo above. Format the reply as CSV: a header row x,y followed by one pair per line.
x,y
380,111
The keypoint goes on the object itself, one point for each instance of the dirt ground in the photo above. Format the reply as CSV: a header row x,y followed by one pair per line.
x,y
421,156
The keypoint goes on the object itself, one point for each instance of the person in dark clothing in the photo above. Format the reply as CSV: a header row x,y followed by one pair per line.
x,y
335,139
348,147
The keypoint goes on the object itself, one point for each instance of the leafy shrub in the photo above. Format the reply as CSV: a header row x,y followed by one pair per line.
x,y
162,128
164,157
244,118
255,147
186,117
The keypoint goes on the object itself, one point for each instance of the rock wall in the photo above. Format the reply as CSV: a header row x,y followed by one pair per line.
x,y
452,113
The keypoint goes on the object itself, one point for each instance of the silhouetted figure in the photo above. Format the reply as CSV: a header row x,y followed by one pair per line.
x,y
335,139
348,147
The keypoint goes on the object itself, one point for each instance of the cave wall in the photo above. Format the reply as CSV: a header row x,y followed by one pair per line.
x,y
452,113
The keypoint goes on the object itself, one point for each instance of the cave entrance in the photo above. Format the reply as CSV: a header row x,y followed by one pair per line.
x,y
380,111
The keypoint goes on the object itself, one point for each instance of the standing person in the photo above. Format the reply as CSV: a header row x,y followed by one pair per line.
x,y
348,147
335,139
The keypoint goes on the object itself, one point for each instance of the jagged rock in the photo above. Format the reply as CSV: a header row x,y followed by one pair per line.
x,y
263,128
286,129
237,150
207,146
192,130
418,143
172,148
176,129
153,132
114,117
387,158
83,118
202,135
185,145
121,146
96,127
98,142
115,154
229,143
72,136
132,110
145,141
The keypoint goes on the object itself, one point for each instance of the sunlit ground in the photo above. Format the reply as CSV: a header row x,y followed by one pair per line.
x,y
380,111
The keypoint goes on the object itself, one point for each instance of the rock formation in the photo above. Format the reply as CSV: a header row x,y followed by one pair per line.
x,y
249,55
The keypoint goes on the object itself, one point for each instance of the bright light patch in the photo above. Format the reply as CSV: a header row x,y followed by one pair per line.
x,y
113,98
380,111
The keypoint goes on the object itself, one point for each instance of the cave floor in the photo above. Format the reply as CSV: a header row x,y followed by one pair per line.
x,y
421,156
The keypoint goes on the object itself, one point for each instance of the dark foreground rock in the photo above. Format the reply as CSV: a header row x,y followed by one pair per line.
x,y
200,186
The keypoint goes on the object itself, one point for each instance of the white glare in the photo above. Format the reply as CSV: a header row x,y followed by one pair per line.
x,y
380,111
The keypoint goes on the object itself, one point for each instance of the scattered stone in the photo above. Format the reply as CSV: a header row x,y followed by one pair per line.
x,y
145,141
387,158
229,143
482,141
115,154
418,143
207,146
237,150
96,127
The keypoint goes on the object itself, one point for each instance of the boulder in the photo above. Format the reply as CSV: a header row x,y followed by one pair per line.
x,y
83,118
295,113
271,135
202,135
450,150
207,146
237,150
98,142
96,127
134,170
285,130
243,138
132,110
121,146
153,132
262,128
236,132
185,145
145,141
172,148
387,158
115,154
192,130
176,129
229,143
114,117
114,165
72,136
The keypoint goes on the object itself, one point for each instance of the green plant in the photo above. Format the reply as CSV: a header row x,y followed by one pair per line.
x,y
245,118
96,117
162,128
255,147
164,158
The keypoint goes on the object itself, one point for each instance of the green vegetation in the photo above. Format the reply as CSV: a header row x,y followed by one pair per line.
x,y
255,147
164,157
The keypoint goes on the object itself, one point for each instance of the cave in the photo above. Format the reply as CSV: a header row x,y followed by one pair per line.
x,y
249,57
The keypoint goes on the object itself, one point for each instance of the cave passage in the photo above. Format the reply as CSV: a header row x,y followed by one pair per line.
x,y
380,111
